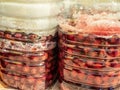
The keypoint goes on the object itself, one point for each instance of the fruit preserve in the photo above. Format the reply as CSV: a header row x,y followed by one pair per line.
x,y
29,69
89,45
28,43
28,57
25,82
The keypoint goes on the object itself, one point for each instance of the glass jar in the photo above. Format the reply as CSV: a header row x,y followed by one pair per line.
x,y
28,41
89,41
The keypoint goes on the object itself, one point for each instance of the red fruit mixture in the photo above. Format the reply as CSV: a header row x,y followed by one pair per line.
x,y
27,82
89,50
90,77
28,60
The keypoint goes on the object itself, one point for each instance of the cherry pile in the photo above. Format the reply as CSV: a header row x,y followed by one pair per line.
x,y
25,57
66,85
28,60
26,37
88,59
90,77
35,70
27,82
91,39
30,43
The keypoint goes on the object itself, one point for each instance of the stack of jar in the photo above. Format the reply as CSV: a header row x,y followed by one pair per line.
x,y
28,43
89,43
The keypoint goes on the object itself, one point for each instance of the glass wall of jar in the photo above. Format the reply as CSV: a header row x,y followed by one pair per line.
x,y
89,39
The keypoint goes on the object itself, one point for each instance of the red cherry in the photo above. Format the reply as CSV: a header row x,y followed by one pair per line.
x,y
45,56
81,76
1,33
31,80
106,80
66,73
90,79
74,74
79,37
70,51
113,52
16,78
33,36
26,69
115,64
42,69
18,35
89,64
98,65
114,40
34,70
34,58
71,37
98,80
8,36
49,37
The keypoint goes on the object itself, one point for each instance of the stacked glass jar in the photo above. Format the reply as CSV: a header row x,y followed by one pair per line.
x,y
28,43
89,42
